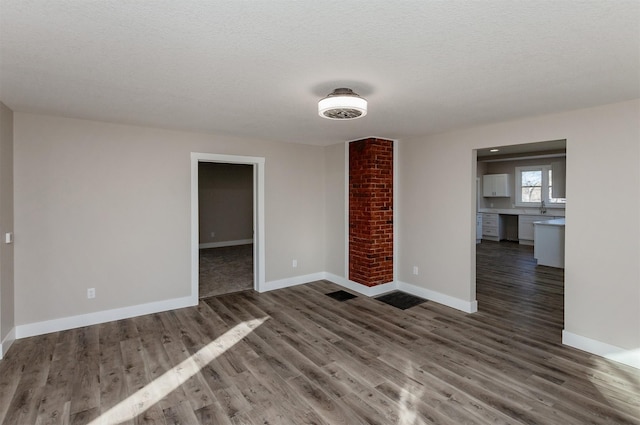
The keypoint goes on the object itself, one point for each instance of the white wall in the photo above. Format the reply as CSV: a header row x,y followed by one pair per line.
x,y
7,321
108,206
602,281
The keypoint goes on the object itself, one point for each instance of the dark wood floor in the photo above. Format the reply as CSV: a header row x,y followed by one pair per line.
x,y
296,356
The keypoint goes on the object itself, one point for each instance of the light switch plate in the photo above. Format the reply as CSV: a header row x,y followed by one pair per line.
x,y
8,237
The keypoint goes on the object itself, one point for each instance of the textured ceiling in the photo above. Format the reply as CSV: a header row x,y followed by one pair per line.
x,y
257,68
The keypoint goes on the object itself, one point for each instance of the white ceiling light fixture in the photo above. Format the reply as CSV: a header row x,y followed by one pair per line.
x,y
342,104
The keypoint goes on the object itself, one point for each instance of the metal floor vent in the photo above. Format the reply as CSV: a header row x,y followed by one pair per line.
x,y
401,300
341,295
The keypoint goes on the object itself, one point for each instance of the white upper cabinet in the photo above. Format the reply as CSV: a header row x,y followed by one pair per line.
x,y
495,185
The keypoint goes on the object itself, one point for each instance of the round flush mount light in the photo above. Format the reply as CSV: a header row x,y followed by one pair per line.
x,y
342,104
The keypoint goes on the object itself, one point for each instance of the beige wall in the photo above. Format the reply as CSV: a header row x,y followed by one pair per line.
x,y
602,282
6,222
225,196
335,209
108,206
83,192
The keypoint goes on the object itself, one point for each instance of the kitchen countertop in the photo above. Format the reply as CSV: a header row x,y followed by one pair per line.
x,y
551,212
556,222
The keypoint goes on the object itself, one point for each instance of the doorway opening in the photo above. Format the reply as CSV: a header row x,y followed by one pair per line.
x,y
511,281
225,211
227,224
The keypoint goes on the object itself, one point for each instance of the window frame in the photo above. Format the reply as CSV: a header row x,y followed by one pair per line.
x,y
544,169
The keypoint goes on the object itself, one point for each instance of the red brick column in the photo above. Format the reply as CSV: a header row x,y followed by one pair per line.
x,y
371,211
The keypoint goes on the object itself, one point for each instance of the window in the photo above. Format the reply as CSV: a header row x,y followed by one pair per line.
x,y
530,186
533,185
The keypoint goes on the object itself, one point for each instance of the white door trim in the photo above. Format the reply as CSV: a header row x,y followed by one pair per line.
x,y
258,215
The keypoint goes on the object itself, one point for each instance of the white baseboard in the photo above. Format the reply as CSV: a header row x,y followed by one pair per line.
x,y
356,287
65,323
291,281
62,324
369,291
611,352
6,342
440,298
374,291
225,243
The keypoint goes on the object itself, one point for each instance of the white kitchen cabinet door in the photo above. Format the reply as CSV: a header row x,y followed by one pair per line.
x,y
549,245
492,227
525,228
495,186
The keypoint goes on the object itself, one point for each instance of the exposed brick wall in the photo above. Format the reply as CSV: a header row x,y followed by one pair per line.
x,y
371,211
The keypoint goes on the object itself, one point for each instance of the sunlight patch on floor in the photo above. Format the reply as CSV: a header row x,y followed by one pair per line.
x,y
628,357
139,402
407,414
617,385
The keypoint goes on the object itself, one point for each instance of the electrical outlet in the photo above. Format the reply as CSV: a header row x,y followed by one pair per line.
x,y
415,269
91,293
294,263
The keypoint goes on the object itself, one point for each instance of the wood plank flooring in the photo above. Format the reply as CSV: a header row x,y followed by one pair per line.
x,y
296,356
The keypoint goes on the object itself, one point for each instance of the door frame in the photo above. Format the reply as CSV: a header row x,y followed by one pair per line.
x,y
258,216
477,189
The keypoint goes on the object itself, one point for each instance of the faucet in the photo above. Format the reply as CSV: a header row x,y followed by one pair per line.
x,y
543,208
